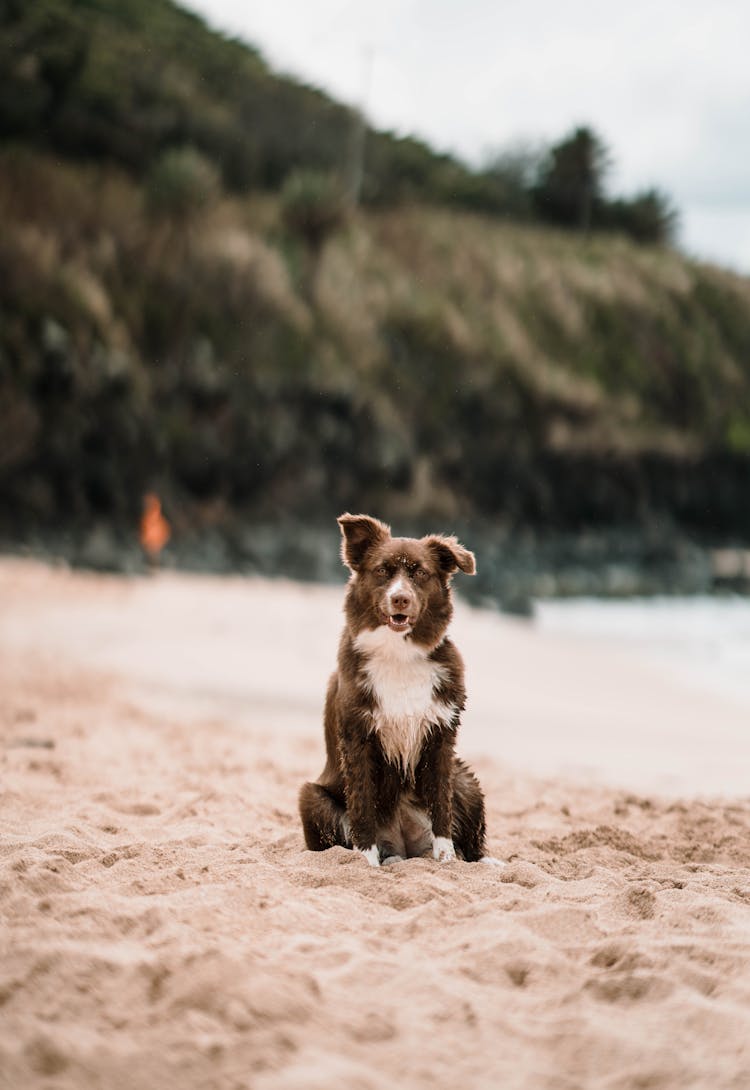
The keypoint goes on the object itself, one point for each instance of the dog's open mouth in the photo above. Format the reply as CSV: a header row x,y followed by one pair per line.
x,y
399,622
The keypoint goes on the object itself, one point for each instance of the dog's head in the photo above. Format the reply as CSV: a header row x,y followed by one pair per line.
x,y
402,583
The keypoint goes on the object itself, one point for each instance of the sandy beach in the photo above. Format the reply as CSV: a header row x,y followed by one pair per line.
x,y
163,925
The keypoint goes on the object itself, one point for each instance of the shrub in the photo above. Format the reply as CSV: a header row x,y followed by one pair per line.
x,y
313,207
181,183
649,217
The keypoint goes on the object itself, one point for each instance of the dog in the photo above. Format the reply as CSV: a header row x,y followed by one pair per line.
x,y
392,787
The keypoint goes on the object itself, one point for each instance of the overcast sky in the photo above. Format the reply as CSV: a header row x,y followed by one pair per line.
x,y
666,84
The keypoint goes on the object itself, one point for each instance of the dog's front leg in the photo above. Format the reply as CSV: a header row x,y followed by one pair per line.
x,y
358,762
434,784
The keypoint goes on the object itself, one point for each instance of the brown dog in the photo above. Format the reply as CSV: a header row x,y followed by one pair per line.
x,y
393,786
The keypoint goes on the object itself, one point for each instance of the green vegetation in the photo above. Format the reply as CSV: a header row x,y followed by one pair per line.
x,y
180,184
121,80
568,189
124,81
448,367
187,303
314,208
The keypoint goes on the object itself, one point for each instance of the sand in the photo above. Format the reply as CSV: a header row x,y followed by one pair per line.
x,y
163,925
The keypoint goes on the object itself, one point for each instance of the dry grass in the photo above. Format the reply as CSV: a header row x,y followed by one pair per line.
x,y
434,327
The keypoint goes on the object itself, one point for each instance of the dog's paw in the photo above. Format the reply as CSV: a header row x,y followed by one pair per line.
x,y
442,849
372,855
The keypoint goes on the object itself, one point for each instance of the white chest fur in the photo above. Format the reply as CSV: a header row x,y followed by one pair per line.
x,y
402,679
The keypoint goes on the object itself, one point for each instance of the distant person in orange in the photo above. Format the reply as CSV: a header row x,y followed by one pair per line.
x,y
155,530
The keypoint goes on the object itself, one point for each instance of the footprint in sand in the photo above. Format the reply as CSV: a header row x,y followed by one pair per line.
x,y
627,987
44,1056
627,975
621,956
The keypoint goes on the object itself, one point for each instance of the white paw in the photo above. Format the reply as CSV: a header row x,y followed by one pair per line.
x,y
372,855
442,849
492,862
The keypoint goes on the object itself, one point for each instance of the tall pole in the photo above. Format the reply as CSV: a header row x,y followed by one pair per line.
x,y
356,171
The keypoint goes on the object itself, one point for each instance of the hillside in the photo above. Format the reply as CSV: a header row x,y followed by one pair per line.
x,y
120,80
448,364
426,363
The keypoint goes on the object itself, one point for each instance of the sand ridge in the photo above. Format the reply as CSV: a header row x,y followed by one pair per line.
x,y
162,923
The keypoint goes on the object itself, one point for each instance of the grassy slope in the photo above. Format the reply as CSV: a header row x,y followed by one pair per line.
x,y
120,80
448,365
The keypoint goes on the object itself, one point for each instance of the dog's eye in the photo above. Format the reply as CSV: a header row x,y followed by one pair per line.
x,y
421,575
381,571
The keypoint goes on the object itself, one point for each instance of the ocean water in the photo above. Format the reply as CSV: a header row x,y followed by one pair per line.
x,y
704,641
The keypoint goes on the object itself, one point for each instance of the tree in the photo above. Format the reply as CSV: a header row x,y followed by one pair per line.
x,y
649,217
571,180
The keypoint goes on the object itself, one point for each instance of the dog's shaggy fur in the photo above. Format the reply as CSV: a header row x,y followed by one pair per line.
x,y
393,786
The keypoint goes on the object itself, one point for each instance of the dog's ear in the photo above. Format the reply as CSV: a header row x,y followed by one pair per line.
x,y
450,555
360,533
